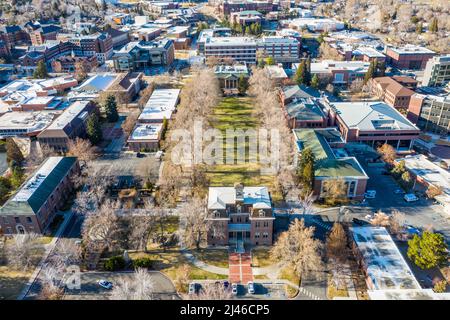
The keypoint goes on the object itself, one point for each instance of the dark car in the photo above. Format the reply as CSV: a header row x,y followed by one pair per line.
x,y
226,284
360,222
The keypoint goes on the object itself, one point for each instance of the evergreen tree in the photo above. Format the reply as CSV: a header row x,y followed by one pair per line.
x,y
370,72
13,153
93,130
41,71
111,109
428,251
16,176
434,25
242,85
315,82
300,74
248,31
306,169
308,72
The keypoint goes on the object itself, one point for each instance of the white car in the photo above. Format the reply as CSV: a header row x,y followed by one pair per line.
x,y
250,287
105,284
410,197
370,194
234,289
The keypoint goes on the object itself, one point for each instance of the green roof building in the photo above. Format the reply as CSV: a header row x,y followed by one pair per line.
x,y
33,207
331,161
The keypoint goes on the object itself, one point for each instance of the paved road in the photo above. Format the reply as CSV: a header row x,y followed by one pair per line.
x,y
90,290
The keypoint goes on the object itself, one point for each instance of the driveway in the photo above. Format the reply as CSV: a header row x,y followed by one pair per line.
x,y
90,290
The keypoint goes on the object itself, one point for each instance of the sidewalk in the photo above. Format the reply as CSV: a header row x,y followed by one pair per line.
x,y
49,248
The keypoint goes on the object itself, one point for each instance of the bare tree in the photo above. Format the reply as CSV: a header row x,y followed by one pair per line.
x,y
182,278
139,287
397,222
326,52
194,225
297,248
140,229
21,250
130,122
335,191
307,201
336,244
211,291
387,153
51,286
82,149
434,191
380,219
102,226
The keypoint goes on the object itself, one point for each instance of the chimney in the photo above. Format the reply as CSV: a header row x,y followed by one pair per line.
x,y
239,188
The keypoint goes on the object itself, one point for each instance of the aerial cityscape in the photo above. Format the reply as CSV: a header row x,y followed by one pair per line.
x,y
234,150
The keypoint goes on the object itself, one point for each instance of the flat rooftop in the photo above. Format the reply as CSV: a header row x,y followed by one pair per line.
x,y
385,265
372,116
327,66
219,197
411,49
30,121
161,104
230,41
69,114
146,131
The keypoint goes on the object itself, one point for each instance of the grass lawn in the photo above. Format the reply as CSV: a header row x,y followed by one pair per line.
x,y
170,262
289,274
214,257
235,113
12,282
333,291
261,257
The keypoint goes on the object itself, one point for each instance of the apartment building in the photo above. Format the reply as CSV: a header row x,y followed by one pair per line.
x,y
282,49
240,215
331,161
68,126
228,7
391,92
71,64
140,55
240,49
99,44
44,33
437,71
408,57
374,123
430,112
32,208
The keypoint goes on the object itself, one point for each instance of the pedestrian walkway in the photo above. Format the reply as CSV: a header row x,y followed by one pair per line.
x,y
240,267
323,225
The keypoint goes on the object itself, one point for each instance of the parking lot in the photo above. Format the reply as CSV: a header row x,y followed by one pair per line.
x,y
91,290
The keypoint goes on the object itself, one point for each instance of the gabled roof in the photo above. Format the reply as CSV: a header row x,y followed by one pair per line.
x,y
35,191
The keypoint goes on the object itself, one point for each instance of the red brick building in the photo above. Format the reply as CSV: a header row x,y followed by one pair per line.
x,y
408,57
391,92
240,215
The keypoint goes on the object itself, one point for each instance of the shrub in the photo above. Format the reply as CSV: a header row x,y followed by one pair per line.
x,y
143,262
440,286
115,263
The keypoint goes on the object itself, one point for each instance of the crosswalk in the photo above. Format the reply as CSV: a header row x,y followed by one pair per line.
x,y
323,225
309,294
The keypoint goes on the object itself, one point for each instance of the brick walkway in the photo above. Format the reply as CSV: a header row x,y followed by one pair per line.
x,y
240,268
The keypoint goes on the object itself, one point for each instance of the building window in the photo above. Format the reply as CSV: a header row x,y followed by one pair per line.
x,y
16,219
257,235
265,235
29,220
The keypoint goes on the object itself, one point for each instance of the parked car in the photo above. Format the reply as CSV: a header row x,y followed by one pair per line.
x,y
370,194
226,284
234,289
192,288
250,287
399,191
105,284
410,197
140,155
359,222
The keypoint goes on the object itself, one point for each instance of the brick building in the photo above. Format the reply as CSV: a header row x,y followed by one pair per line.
x,y
408,57
391,92
33,207
240,215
